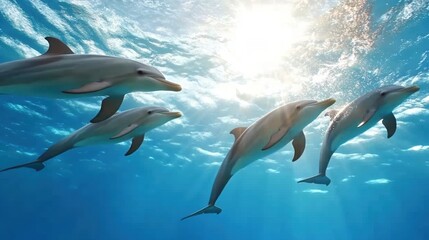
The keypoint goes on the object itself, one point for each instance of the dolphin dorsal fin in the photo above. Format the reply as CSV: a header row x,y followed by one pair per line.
x,y
237,132
332,113
57,47
109,106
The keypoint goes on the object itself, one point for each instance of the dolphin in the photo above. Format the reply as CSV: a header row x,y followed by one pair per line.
x,y
357,117
264,137
131,124
59,73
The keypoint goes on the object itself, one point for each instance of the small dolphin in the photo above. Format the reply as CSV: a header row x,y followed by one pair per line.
x,y
357,117
265,136
131,124
59,73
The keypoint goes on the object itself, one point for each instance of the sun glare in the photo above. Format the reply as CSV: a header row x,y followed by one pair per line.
x,y
261,38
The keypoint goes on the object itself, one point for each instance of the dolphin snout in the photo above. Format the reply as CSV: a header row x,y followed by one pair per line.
x,y
326,103
170,85
173,114
411,89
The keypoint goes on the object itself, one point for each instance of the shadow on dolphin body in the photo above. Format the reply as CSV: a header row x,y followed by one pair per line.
x,y
357,117
131,124
59,73
264,137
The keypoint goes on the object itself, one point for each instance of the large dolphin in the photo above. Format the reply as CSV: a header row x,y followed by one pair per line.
x,y
59,73
265,136
131,124
357,117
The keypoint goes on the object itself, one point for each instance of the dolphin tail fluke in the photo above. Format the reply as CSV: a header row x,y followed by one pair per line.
x,y
36,165
318,179
208,209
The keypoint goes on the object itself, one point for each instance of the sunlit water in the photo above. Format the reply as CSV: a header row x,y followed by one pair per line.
x,y
235,61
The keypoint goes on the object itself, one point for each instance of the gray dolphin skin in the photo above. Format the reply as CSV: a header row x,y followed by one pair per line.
x,y
357,117
59,73
131,124
264,137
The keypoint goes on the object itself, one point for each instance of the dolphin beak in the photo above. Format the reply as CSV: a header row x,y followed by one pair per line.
x,y
326,103
411,89
173,114
170,85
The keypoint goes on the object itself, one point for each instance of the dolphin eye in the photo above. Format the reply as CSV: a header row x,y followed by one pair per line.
x,y
298,108
383,94
149,112
140,72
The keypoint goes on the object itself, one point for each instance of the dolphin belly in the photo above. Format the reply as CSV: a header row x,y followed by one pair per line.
x,y
345,133
99,139
39,89
252,156
96,140
255,152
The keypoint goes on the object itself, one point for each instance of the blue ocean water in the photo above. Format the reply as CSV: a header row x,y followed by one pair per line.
x,y
339,49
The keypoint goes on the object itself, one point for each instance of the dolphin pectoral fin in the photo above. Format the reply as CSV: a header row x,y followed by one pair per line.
x,y
135,144
276,137
389,121
109,106
298,144
367,117
36,165
237,132
208,209
318,179
332,113
90,87
126,130
57,47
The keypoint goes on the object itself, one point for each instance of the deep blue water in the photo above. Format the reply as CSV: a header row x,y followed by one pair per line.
x,y
378,188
